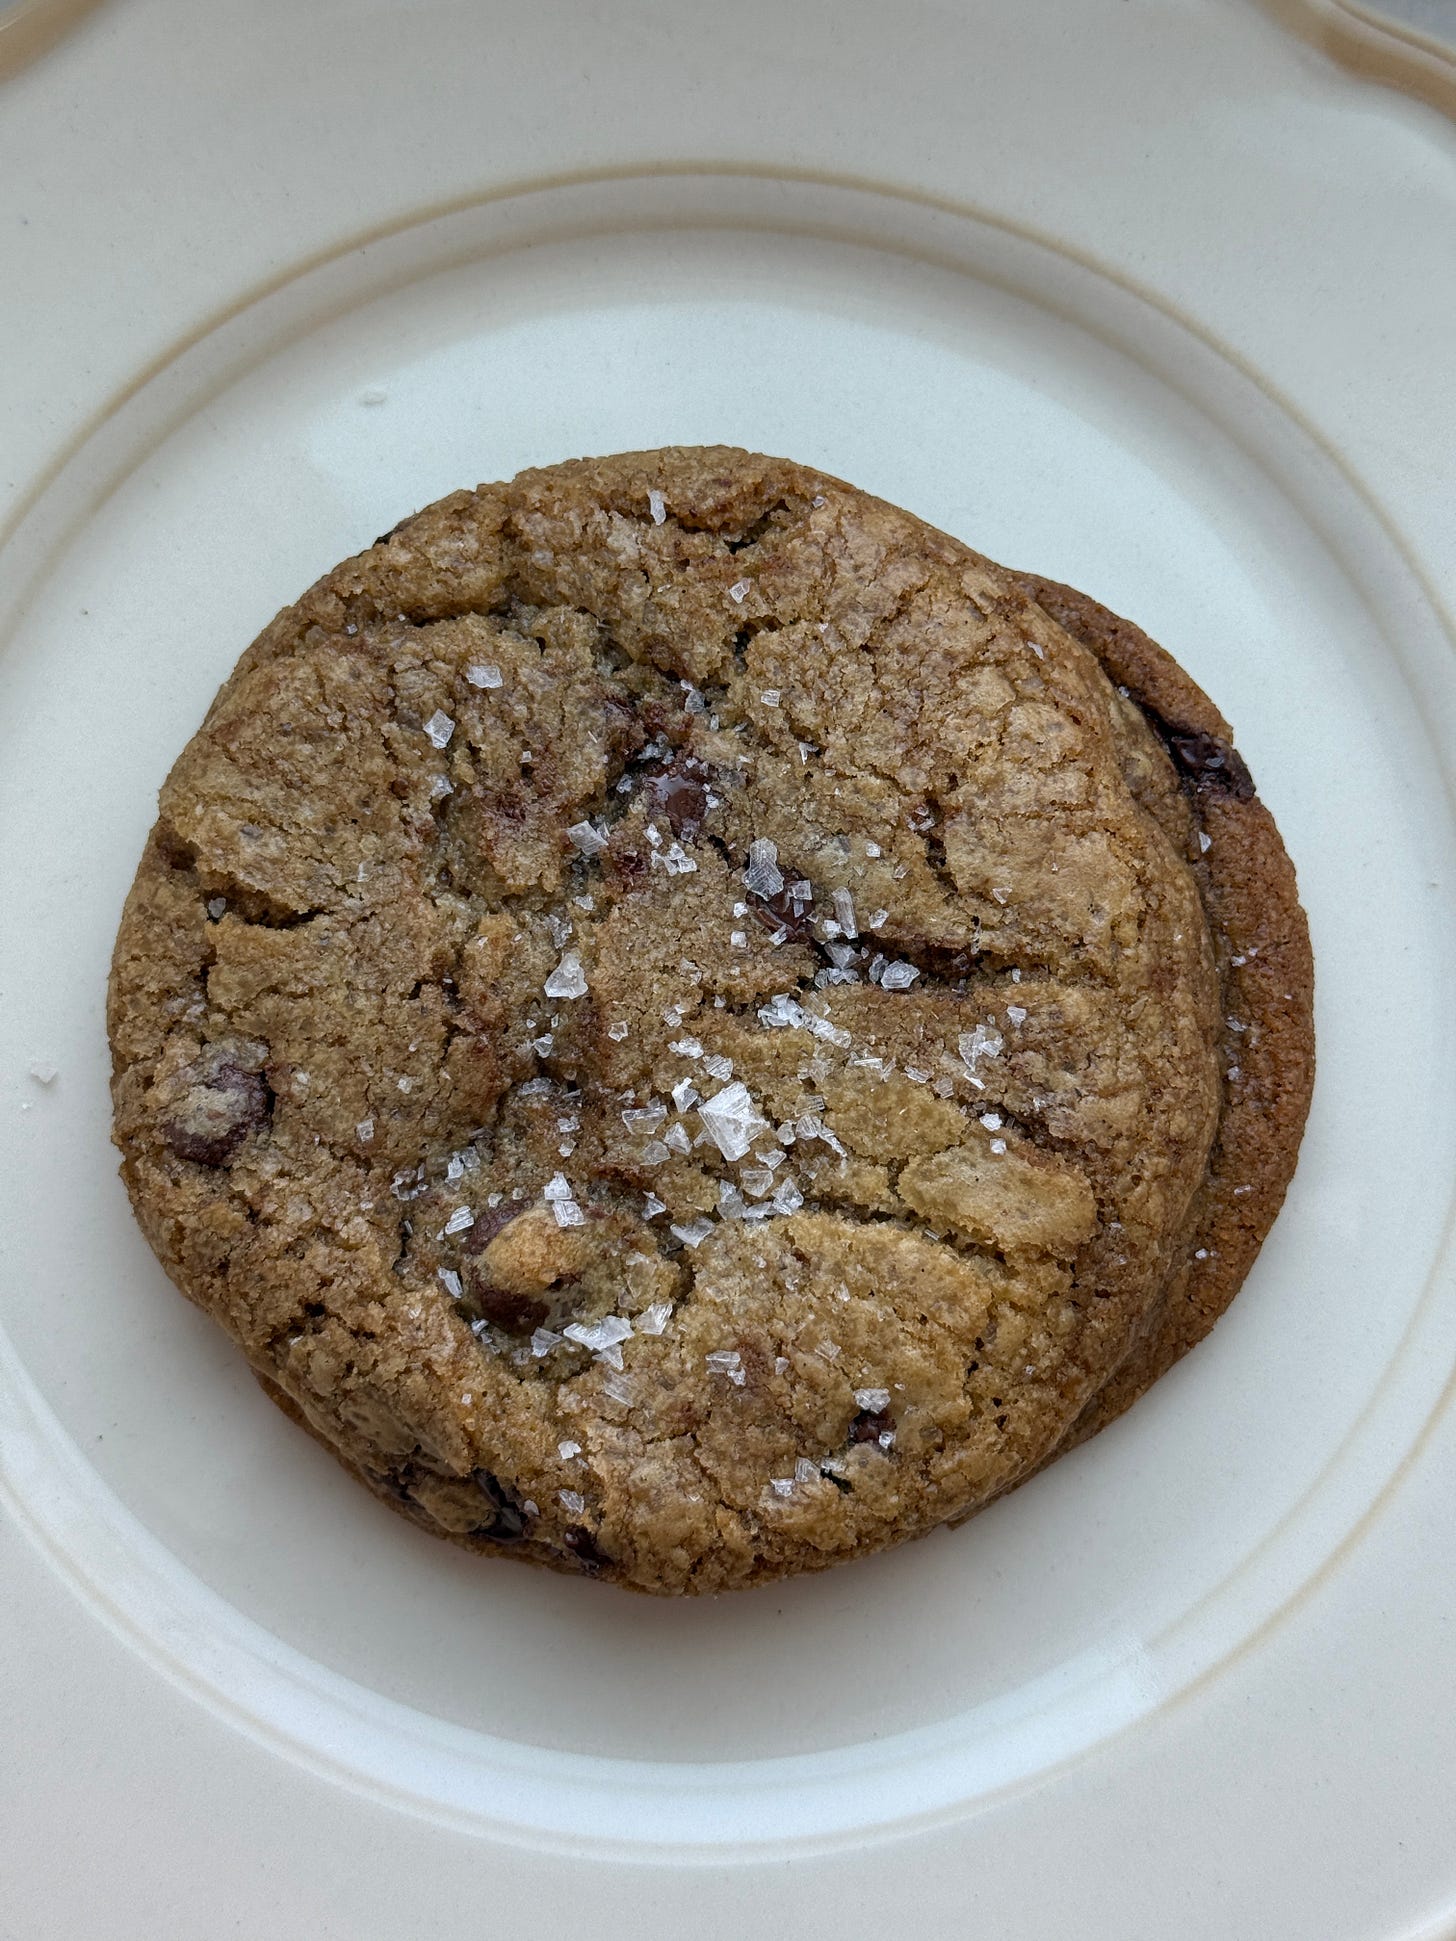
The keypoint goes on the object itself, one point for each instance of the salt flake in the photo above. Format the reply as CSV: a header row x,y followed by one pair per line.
x,y
597,1335
898,976
587,838
694,1233
732,1120
763,875
568,979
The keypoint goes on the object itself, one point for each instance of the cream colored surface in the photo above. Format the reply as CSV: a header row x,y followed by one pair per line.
x,y
1182,1684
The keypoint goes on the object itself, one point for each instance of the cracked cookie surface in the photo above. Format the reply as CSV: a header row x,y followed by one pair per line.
x,y
681,1019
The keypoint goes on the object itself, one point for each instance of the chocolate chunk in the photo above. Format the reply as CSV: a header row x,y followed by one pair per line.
x,y
870,1424
784,911
220,1103
1212,764
508,1521
624,866
583,1546
489,1221
515,1313
682,800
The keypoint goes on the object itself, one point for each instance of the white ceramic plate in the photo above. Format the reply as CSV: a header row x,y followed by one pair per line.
x,y
1120,293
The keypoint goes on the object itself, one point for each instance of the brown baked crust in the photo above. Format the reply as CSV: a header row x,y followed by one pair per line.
x,y
1011,1250
1266,973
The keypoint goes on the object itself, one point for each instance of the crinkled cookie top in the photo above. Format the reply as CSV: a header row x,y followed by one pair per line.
x,y
668,1012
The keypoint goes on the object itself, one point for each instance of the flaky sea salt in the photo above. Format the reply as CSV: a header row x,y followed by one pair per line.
x,y
652,1206
726,1361
654,1319
898,976
1205,842
644,1118
873,1399
676,1139
596,1335
811,1126
618,1031
543,1341
1016,1013
586,837
566,1450
684,1094
694,1233
763,875
657,506
873,849
216,906
771,696
364,1131
439,728
732,1120
844,913
998,1146
740,590
781,1011
482,673
787,1197
568,1213
459,1220
450,1280
572,1501
675,860
984,1042
568,979
618,1387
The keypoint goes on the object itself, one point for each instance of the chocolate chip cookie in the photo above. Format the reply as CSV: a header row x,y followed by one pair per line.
x,y
692,1028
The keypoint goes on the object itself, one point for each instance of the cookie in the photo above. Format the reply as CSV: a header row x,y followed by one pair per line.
x,y
693,1028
